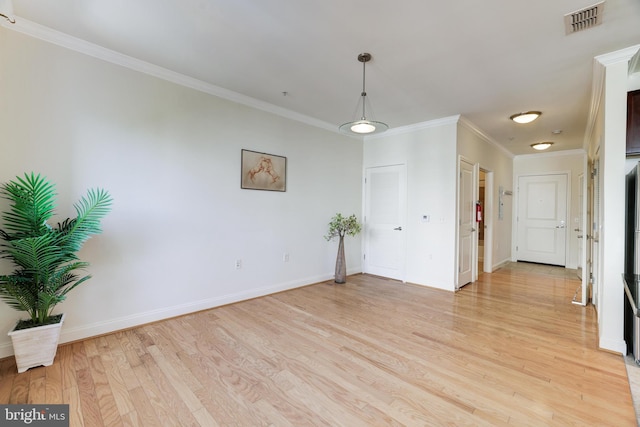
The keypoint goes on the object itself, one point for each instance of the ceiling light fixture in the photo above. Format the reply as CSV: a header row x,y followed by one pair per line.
x,y
6,10
363,126
541,145
527,117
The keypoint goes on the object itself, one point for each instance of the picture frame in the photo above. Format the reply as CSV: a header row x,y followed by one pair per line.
x,y
263,171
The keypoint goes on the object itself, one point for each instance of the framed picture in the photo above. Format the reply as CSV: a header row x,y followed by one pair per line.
x,y
262,171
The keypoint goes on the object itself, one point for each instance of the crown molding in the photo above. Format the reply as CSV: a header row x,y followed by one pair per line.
x,y
415,127
67,41
622,55
476,130
457,119
578,151
600,63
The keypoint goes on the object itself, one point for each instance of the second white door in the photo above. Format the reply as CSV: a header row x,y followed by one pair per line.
x,y
467,241
385,196
542,219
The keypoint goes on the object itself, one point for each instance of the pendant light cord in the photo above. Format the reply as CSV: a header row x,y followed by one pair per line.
x,y
364,92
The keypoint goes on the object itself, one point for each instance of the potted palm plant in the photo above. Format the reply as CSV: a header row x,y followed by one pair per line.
x,y
339,227
45,261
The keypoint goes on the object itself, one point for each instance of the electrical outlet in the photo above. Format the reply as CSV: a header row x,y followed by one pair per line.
x,y
285,257
238,264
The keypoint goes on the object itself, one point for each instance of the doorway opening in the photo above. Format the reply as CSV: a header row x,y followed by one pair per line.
x,y
485,227
482,223
475,211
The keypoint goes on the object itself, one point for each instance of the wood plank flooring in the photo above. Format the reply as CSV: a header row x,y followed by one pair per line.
x,y
509,349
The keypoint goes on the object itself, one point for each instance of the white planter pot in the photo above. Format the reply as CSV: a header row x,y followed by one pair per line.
x,y
36,346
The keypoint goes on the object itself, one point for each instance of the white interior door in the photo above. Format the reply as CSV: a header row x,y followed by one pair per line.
x,y
583,272
579,227
542,219
384,221
467,224
595,233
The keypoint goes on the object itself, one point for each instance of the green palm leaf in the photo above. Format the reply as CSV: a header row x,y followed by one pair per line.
x,y
17,292
89,211
33,203
45,258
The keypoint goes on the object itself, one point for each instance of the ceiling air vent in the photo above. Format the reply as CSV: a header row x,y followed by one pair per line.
x,y
584,19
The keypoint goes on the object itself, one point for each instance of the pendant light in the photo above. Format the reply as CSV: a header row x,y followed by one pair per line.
x,y
363,126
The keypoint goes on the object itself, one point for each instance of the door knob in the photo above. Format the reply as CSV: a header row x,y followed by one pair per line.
x,y
398,229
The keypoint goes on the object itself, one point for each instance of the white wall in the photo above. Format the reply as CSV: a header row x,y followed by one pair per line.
x,y
170,157
571,162
613,196
606,139
477,148
429,153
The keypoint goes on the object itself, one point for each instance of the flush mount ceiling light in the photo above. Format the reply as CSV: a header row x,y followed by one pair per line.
x,y
527,117
6,10
541,145
363,126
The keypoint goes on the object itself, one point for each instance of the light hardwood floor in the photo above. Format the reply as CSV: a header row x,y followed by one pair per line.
x,y
509,349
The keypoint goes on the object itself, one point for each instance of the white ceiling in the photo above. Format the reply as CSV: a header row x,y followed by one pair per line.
x,y
484,60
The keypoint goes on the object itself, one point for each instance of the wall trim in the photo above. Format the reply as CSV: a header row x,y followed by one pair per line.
x,y
67,41
578,151
616,346
139,319
622,55
501,264
600,63
476,130
416,127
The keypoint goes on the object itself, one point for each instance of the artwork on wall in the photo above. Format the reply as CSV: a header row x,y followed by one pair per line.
x,y
262,171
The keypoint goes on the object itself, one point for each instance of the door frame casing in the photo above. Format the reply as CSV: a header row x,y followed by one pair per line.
x,y
487,266
474,246
584,253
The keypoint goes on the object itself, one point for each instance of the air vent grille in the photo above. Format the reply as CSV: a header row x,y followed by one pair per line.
x,y
584,19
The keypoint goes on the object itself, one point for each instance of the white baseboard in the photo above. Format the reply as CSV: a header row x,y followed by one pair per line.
x,y
126,322
616,346
500,264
